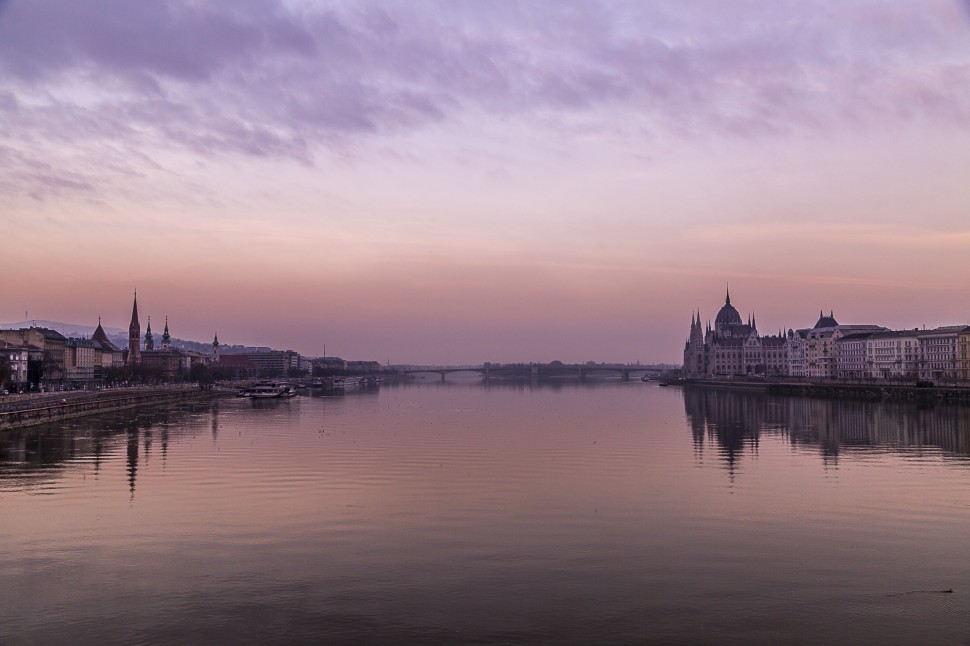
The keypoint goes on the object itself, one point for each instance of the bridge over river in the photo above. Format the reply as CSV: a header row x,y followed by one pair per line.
x,y
542,371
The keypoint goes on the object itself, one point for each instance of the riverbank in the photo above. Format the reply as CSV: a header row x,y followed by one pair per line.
x,y
18,411
838,390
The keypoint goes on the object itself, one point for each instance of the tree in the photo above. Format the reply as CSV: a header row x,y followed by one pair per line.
x,y
5,371
200,373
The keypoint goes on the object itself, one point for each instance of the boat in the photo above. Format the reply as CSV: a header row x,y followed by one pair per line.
x,y
270,390
264,391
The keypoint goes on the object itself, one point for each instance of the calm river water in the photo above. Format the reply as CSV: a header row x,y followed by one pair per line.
x,y
460,513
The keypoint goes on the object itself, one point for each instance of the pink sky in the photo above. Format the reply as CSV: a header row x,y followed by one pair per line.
x,y
457,182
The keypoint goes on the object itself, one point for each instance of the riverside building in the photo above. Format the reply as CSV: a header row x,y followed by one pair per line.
x,y
826,351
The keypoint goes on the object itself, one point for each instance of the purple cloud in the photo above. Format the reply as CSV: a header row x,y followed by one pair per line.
x,y
261,78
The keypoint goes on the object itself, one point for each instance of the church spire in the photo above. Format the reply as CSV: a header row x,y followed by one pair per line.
x,y
149,339
166,338
727,294
134,334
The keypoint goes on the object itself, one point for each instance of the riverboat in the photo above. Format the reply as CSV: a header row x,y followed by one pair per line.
x,y
269,390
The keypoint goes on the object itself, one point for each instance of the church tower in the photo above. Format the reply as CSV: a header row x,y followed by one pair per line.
x,y
134,332
694,355
215,349
149,339
166,339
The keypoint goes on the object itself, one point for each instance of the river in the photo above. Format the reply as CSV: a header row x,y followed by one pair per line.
x,y
458,513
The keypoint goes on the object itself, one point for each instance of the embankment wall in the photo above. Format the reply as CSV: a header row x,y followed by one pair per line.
x,y
93,404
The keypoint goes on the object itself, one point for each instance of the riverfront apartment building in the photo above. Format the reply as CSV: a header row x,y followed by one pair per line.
x,y
826,351
963,350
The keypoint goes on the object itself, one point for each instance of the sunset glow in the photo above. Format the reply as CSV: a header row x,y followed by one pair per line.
x,y
458,182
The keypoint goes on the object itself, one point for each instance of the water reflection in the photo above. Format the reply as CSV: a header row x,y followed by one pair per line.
x,y
39,454
452,513
733,421
132,460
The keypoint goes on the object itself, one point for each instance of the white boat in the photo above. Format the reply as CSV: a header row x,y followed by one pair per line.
x,y
270,390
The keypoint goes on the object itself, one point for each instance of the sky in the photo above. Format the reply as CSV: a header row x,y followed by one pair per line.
x,y
467,181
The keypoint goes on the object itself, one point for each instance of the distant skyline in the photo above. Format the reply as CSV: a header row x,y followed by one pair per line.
x,y
458,182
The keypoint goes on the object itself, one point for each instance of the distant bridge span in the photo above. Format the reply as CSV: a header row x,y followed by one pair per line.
x,y
539,371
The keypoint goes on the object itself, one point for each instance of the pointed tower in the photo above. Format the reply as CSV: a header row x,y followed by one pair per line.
x,y
149,339
134,334
215,349
166,339
694,349
99,334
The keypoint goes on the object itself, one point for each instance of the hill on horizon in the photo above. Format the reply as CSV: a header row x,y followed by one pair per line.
x,y
118,336
67,329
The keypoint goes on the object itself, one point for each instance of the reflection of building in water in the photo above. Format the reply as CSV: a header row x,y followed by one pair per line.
x,y
132,459
47,453
732,424
733,421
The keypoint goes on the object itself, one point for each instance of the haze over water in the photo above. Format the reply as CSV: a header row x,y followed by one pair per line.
x,y
461,513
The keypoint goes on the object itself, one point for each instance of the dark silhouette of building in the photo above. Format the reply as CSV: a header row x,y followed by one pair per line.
x,y
134,334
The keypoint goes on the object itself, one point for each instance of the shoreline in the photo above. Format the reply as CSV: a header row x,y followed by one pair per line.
x,y
838,390
54,408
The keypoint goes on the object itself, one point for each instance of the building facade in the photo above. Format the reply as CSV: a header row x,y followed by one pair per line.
x,y
732,347
939,358
16,357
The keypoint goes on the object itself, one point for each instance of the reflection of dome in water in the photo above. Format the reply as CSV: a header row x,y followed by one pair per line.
x,y
728,315
826,321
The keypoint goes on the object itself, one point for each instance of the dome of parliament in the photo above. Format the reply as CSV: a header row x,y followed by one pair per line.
x,y
727,314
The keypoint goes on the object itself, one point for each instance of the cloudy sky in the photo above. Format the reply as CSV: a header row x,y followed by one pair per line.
x,y
465,181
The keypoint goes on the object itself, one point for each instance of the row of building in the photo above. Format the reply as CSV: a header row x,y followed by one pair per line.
x,y
38,356
827,351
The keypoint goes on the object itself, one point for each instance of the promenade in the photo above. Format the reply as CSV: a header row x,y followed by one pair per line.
x,y
838,389
17,411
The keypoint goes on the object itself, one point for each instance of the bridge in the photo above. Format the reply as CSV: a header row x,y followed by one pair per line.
x,y
541,371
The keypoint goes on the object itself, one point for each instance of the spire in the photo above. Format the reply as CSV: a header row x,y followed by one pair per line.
x,y
727,294
134,334
215,341
149,339
166,338
134,314
99,334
